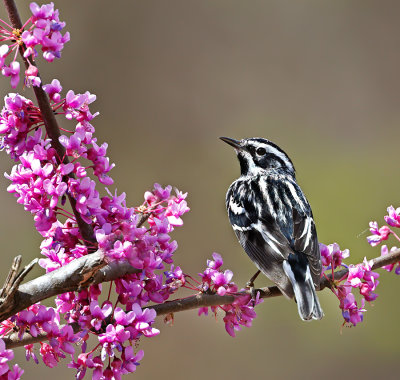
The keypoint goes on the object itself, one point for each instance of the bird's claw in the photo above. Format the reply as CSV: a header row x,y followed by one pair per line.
x,y
249,284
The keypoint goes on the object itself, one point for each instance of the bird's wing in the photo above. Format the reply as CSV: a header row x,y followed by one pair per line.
x,y
306,241
261,239
292,215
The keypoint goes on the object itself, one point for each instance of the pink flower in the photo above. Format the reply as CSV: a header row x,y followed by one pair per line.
x,y
393,219
143,321
31,76
53,90
351,312
332,256
73,145
49,355
5,356
356,273
221,280
177,206
47,31
12,71
30,42
129,360
46,11
241,311
15,373
29,353
379,234
99,314
174,279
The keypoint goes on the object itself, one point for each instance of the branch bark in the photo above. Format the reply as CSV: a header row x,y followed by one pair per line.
x,y
50,122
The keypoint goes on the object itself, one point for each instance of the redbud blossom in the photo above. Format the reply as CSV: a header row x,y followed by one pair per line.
x,y
241,311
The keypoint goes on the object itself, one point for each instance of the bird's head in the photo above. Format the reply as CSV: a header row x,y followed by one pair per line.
x,y
256,154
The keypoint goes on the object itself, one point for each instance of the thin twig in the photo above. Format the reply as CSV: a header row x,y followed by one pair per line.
x,y
12,274
142,220
13,282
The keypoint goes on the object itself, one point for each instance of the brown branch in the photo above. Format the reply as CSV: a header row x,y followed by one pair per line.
x,y
56,283
50,122
202,300
80,273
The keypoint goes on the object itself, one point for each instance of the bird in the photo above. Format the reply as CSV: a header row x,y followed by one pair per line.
x,y
274,224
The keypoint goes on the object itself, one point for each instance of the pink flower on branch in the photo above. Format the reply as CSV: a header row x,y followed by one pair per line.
x,y
44,33
12,71
53,90
241,311
378,234
358,276
393,217
331,255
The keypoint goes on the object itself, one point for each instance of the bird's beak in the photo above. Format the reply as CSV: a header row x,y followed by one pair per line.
x,y
232,142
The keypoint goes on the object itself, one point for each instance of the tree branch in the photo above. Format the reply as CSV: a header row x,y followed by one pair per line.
x,y
50,122
202,300
78,272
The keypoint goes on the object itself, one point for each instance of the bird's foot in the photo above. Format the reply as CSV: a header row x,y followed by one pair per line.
x,y
250,286
250,283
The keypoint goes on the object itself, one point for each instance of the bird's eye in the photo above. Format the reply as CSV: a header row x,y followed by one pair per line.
x,y
261,151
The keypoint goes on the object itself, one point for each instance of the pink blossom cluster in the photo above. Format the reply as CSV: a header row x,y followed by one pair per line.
x,y
42,30
359,276
332,256
41,181
18,118
38,319
45,32
215,281
378,234
5,372
383,233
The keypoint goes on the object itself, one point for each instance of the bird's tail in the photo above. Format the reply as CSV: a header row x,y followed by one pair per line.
x,y
298,271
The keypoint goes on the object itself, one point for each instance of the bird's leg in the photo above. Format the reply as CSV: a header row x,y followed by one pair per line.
x,y
250,283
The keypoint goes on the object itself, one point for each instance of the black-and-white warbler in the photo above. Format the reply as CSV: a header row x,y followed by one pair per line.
x,y
274,223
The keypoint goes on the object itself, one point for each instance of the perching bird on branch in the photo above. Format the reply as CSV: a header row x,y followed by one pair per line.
x,y
273,221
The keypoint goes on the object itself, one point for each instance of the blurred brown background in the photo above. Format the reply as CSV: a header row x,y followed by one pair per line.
x,y
319,78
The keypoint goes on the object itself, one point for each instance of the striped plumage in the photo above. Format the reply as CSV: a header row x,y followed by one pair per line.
x,y
274,223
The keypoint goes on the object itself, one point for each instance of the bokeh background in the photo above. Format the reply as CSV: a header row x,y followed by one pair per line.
x,y
319,78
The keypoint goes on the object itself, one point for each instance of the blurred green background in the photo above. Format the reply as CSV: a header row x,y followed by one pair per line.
x,y
320,79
